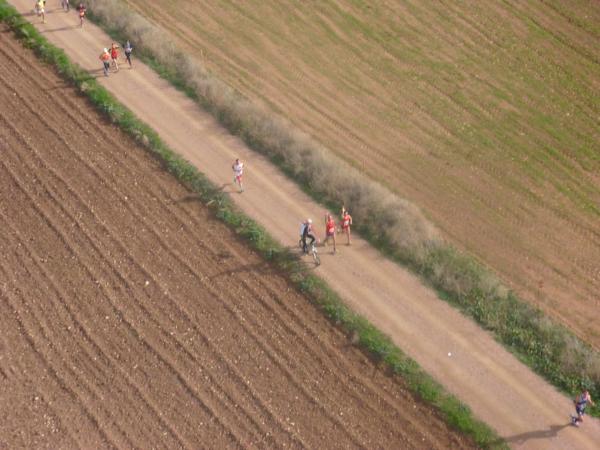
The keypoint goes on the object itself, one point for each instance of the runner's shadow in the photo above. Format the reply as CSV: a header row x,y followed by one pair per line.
x,y
58,86
196,198
539,434
60,29
262,268
96,73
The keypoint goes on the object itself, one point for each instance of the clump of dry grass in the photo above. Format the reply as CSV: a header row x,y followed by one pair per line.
x,y
393,224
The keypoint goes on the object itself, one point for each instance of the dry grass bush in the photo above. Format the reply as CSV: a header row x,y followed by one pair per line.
x,y
393,224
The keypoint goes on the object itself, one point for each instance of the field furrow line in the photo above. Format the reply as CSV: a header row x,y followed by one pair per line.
x,y
167,247
13,305
97,352
90,270
26,363
40,273
22,366
287,322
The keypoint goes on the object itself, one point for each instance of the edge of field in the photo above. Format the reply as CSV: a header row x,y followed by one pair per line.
x,y
549,348
361,331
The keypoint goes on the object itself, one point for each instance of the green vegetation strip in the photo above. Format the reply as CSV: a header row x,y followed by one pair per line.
x,y
369,338
391,224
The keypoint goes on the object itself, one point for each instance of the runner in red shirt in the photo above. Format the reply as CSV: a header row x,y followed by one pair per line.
x,y
114,54
105,58
329,230
346,223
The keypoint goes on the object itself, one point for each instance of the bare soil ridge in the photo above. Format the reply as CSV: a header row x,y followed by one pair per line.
x,y
124,325
499,389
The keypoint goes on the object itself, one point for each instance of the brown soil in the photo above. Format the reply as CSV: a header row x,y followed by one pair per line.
x,y
454,129
131,317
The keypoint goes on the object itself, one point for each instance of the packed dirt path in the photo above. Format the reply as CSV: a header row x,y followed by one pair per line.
x,y
503,392
131,318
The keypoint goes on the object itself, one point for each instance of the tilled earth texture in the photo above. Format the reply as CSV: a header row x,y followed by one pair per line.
x,y
131,318
483,113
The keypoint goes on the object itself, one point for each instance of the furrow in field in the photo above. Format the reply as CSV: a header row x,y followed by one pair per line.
x,y
91,348
28,401
81,409
108,279
78,368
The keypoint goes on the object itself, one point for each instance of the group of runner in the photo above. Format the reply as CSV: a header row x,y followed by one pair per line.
x,y
307,231
111,57
40,9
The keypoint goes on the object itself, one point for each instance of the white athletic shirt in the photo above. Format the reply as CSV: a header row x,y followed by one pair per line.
x,y
238,168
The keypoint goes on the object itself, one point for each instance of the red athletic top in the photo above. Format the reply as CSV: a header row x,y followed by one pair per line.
x,y
330,226
346,220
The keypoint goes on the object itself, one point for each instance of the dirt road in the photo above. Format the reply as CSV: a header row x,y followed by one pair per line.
x,y
500,390
131,318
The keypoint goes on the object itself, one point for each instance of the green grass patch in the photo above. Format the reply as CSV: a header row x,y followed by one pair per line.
x,y
369,338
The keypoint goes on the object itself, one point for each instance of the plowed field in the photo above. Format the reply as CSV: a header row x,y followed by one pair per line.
x,y
130,317
484,114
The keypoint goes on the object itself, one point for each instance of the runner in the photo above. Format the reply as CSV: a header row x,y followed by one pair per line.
x,y
581,402
238,170
329,230
65,5
40,10
127,49
346,223
105,58
81,9
307,232
114,55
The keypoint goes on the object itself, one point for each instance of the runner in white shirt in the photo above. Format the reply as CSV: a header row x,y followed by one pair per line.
x,y
238,170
